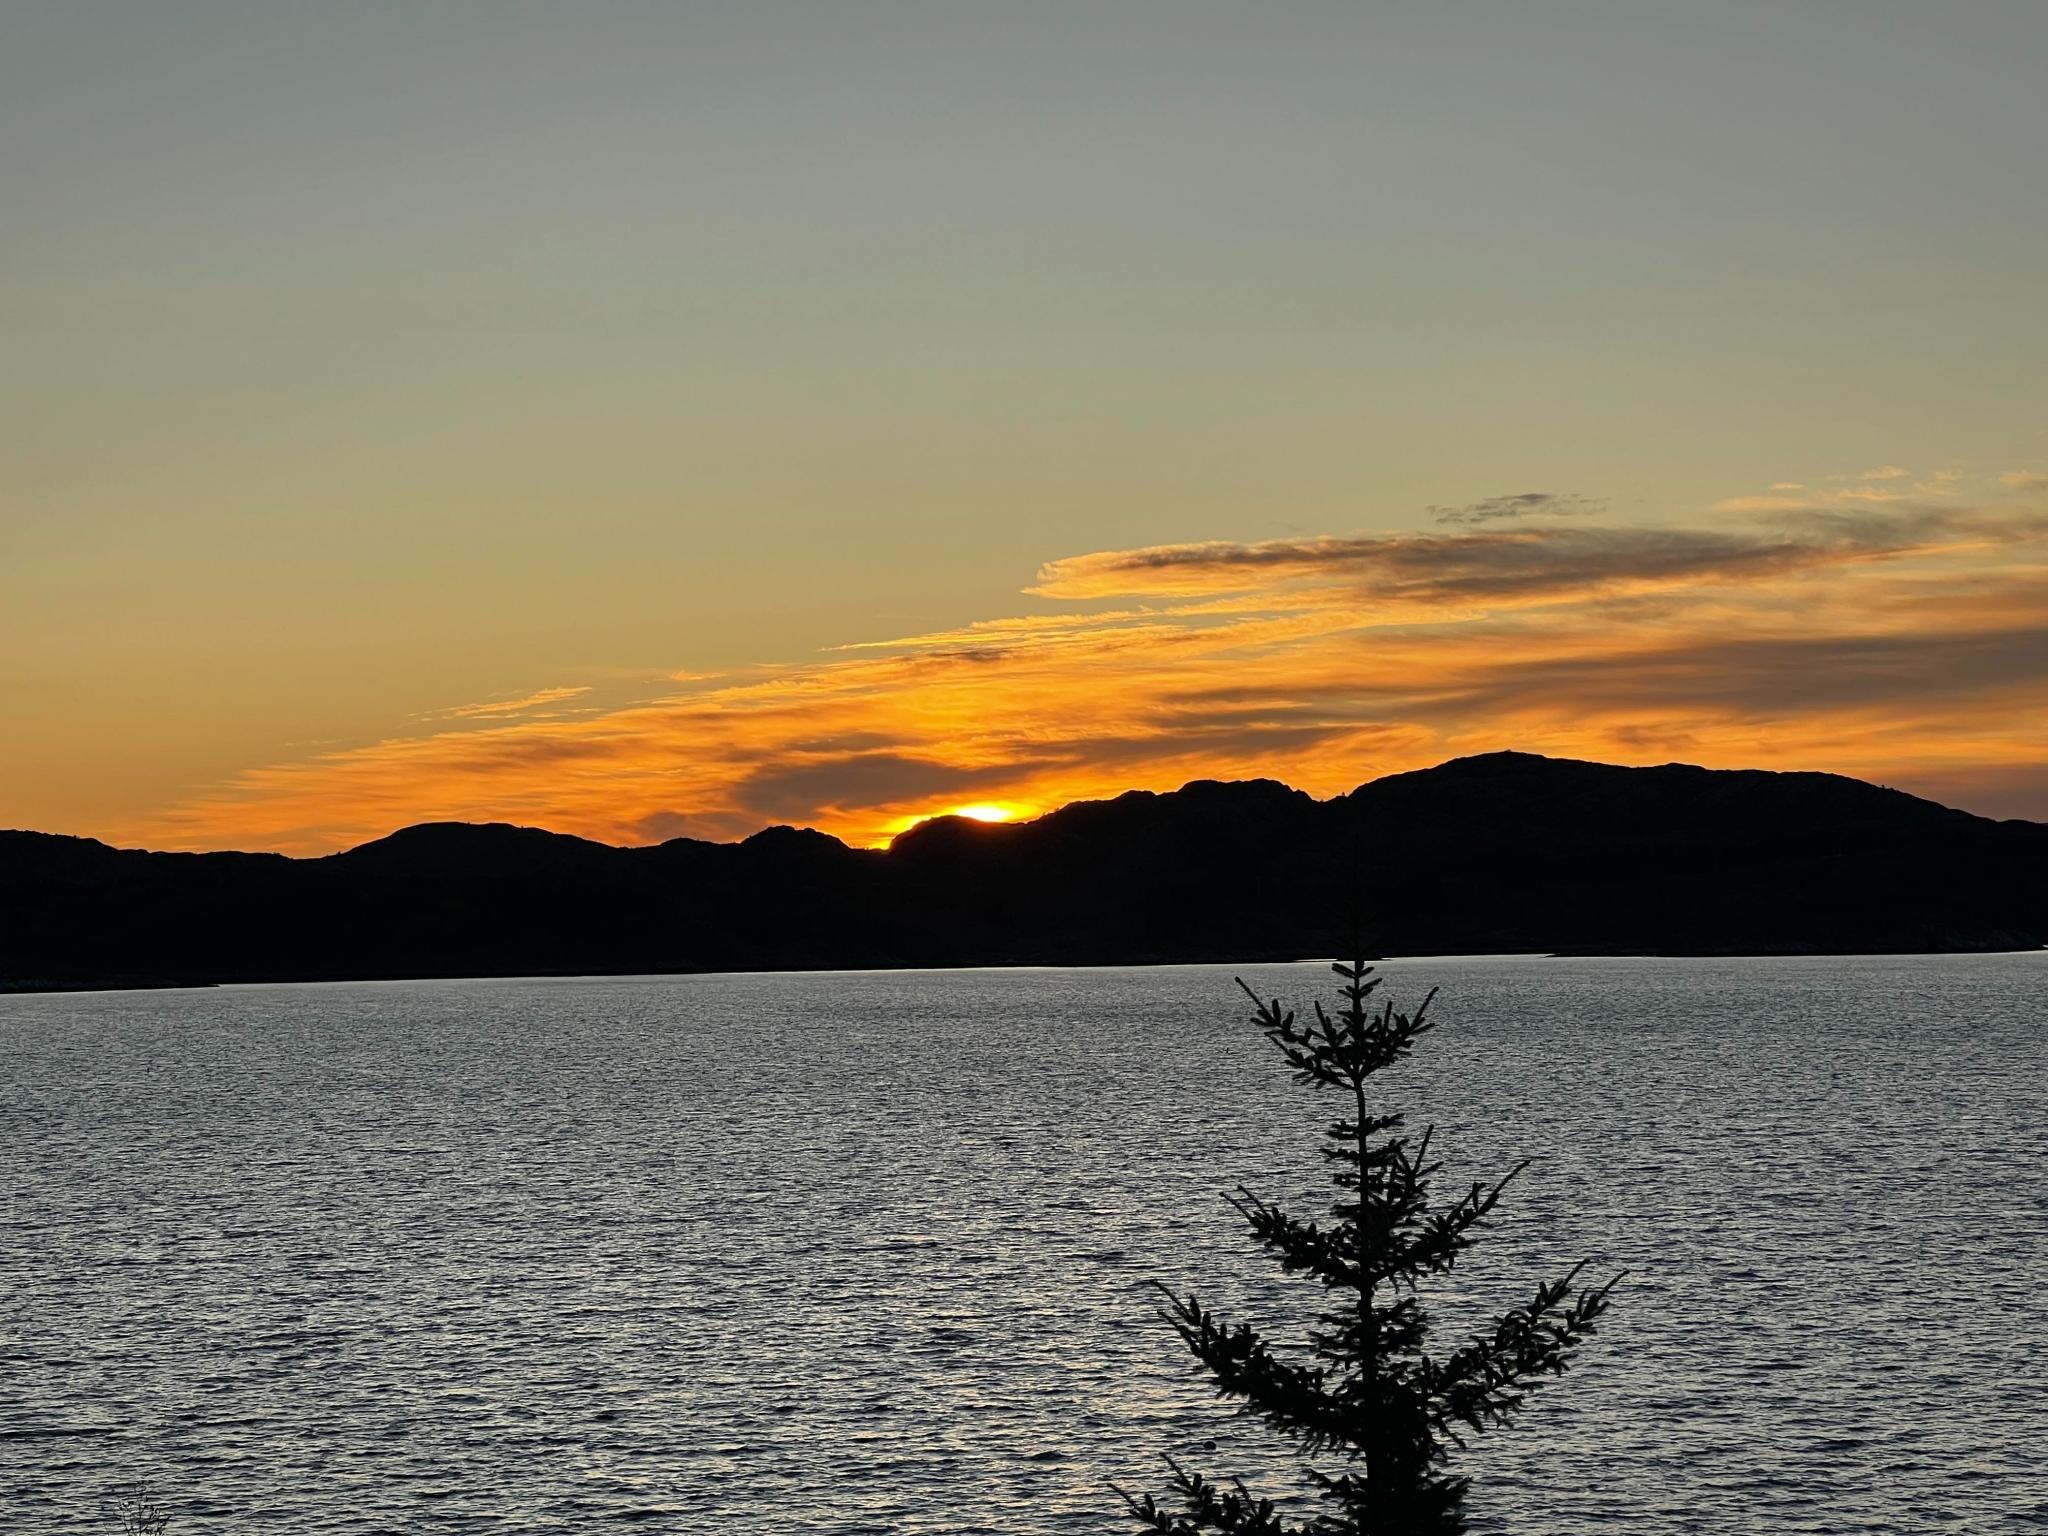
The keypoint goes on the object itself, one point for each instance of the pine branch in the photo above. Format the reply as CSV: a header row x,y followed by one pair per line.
x,y
1444,1235
1300,1245
1291,1398
1208,1507
1381,1339
1485,1383
1427,1506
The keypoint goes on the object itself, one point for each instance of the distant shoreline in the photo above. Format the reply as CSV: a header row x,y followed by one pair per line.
x,y
43,988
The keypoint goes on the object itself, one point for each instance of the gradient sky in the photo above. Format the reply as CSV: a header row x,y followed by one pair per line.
x,y
647,419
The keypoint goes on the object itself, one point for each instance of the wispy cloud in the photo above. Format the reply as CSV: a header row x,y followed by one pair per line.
x,y
1527,564
1494,509
1903,641
505,709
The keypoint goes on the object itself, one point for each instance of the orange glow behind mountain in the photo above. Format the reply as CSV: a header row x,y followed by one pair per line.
x,y
1893,637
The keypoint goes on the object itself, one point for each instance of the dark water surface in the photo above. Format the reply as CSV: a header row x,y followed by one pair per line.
x,y
844,1253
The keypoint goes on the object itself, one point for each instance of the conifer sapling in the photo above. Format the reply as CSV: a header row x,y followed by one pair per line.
x,y
1367,1399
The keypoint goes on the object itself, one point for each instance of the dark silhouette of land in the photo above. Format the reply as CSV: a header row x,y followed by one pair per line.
x,y
1502,853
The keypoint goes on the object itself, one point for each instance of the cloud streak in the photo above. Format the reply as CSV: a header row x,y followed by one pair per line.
x,y
505,709
1531,564
1494,509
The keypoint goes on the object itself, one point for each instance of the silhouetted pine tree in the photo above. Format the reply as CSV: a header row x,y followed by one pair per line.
x,y
1367,1397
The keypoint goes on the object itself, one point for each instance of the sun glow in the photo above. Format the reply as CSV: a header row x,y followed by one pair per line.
x,y
986,811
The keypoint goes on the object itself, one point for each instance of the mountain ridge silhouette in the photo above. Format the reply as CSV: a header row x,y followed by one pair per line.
x,y
1501,852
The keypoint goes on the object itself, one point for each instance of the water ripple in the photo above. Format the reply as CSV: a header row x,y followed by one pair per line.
x,y
868,1253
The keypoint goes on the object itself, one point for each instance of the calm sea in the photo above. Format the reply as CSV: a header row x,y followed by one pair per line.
x,y
868,1253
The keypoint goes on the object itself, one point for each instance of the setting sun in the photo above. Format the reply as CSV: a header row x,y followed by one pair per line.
x,y
985,811
990,811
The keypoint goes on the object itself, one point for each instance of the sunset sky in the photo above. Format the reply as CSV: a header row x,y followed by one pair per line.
x,y
646,420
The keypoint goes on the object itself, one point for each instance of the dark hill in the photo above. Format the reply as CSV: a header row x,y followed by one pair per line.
x,y
1485,854
461,850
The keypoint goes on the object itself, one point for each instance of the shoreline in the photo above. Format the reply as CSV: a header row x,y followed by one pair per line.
x,y
49,987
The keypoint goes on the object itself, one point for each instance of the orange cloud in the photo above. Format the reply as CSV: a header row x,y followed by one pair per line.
x,y
1904,643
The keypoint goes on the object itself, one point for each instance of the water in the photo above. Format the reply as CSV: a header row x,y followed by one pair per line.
x,y
867,1253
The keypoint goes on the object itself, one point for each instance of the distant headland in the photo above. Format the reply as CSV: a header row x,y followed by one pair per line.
x,y
1506,852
